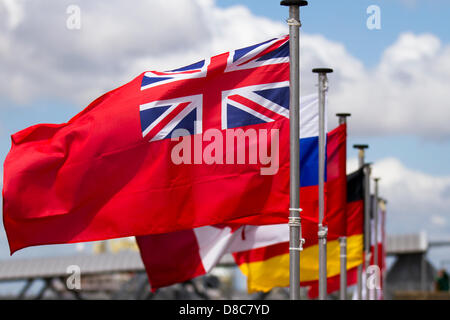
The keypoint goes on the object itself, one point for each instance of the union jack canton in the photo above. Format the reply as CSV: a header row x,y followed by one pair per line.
x,y
243,87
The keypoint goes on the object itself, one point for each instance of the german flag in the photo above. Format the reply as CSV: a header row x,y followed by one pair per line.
x,y
355,230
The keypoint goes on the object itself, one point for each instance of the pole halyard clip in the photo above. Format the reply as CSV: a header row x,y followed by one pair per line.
x,y
300,247
293,22
302,242
296,222
325,84
323,232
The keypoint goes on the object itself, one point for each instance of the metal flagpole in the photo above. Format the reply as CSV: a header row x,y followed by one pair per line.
x,y
367,233
383,241
343,240
322,233
343,271
376,217
343,117
361,161
295,241
361,153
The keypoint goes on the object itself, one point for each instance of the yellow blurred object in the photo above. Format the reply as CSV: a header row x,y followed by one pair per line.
x,y
100,247
382,205
115,245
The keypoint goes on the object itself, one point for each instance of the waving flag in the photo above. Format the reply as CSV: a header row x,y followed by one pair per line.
x,y
354,231
378,241
267,266
167,151
179,256
382,247
183,255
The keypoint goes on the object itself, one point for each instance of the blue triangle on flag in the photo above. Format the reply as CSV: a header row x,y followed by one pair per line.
x,y
148,116
196,65
238,118
281,52
241,52
187,123
278,95
150,80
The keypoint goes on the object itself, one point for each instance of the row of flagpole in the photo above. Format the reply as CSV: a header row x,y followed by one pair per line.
x,y
361,162
295,234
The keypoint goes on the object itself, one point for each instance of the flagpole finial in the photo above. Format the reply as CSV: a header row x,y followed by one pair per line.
x,y
322,70
343,117
360,146
299,3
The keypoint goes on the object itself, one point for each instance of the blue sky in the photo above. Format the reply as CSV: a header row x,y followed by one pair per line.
x,y
48,74
345,21
340,21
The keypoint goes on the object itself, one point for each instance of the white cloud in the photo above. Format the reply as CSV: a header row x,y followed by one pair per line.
x,y
406,93
416,201
352,165
40,57
13,10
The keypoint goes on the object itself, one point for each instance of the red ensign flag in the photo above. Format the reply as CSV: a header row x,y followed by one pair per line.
x,y
200,145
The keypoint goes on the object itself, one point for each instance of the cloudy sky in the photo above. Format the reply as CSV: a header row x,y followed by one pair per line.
x,y
393,80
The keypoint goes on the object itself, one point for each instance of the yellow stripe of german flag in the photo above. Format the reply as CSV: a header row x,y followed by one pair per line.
x,y
274,272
